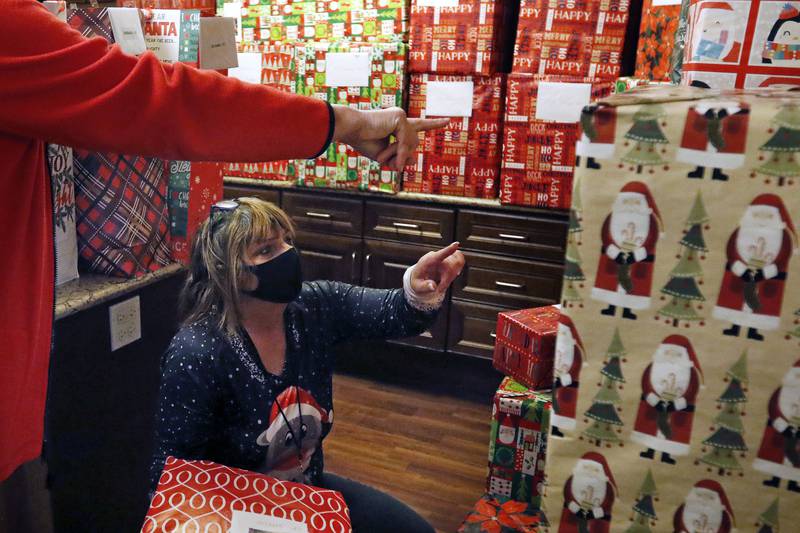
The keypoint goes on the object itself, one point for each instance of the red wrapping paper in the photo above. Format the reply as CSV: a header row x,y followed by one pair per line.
x,y
583,38
467,39
539,155
203,496
525,345
193,188
462,159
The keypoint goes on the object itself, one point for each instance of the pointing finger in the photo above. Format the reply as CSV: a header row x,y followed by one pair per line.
x,y
427,124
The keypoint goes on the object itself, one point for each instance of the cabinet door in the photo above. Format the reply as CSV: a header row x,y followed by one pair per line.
x,y
384,266
324,213
239,191
408,223
329,257
521,236
472,328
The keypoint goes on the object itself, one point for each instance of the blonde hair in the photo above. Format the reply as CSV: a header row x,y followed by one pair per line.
x,y
212,289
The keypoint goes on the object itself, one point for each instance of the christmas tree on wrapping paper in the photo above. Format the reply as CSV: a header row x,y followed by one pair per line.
x,y
644,513
647,137
682,290
768,520
573,273
796,331
782,147
606,423
726,441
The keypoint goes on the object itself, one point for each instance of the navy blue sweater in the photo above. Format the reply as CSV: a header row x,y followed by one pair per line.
x,y
219,403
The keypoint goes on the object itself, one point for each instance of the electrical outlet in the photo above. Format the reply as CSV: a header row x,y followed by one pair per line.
x,y
126,323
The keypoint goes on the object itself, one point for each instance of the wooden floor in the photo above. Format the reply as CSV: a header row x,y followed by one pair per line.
x,y
426,449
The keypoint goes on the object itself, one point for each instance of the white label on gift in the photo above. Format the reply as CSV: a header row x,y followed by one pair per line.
x,y
562,102
127,29
160,37
656,3
437,3
245,522
217,42
234,10
449,99
348,69
249,68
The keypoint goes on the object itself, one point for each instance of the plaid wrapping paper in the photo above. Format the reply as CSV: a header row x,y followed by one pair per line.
x,y
206,496
466,39
657,39
122,217
496,514
462,159
525,345
539,156
91,22
193,188
518,442
341,166
582,38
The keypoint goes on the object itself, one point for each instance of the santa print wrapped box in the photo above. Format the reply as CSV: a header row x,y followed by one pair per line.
x,y
206,496
656,39
459,37
462,159
676,391
496,514
742,43
518,442
525,345
193,188
207,8
540,135
378,82
582,38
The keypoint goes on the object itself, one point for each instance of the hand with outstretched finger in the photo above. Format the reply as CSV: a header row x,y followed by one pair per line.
x,y
435,271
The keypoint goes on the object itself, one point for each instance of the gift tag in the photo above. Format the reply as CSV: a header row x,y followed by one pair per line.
x,y
562,102
127,29
249,68
449,99
657,3
437,3
234,11
347,69
244,522
218,43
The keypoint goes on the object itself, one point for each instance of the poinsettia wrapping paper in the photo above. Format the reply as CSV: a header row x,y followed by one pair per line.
x,y
462,159
467,38
684,417
59,162
742,43
496,514
204,496
525,345
539,154
341,166
193,188
583,38
518,442
656,39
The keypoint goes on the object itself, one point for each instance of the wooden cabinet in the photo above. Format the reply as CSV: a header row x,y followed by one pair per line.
x,y
240,191
521,236
472,328
412,224
330,257
327,215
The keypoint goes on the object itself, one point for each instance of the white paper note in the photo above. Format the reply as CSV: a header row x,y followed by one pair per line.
x,y
217,42
245,522
234,10
666,3
347,69
562,102
127,29
437,3
249,68
449,99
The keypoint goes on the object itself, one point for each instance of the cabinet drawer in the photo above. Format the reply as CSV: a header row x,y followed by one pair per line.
x,y
472,328
505,281
324,214
534,237
239,191
405,223
329,257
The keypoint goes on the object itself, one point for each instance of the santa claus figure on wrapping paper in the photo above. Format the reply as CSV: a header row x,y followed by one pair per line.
x,y
779,454
669,393
296,425
598,127
706,509
714,38
782,47
588,496
569,358
714,136
758,254
629,234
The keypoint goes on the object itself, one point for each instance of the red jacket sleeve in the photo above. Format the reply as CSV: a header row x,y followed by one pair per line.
x,y
60,87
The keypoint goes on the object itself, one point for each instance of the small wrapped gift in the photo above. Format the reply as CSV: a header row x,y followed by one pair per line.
x,y
193,188
496,514
518,443
657,39
59,162
205,496
525,345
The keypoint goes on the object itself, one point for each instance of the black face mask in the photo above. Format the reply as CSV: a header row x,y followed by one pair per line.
x,y
280,279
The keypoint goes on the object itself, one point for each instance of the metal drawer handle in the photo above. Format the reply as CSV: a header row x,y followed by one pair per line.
x,y
509,285
314,214
493,335
405,225
512,236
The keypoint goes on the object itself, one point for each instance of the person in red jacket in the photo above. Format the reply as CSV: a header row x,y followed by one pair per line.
x,y
56,86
